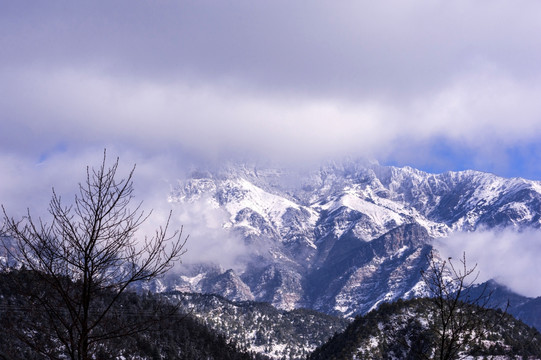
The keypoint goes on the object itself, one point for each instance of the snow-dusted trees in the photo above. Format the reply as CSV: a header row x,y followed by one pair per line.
x,y
459,307
83,260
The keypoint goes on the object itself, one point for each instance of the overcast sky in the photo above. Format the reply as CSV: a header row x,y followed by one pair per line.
x,y
434,84
438,85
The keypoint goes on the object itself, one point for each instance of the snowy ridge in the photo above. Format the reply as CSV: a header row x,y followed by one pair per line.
x,y
261,328
347,236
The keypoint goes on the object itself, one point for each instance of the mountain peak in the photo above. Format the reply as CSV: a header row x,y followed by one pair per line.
x,y
301,226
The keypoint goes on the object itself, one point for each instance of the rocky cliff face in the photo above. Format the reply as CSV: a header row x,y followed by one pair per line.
x,y
347,236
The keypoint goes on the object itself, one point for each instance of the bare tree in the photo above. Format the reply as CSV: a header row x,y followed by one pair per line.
x,y
85,258
460,308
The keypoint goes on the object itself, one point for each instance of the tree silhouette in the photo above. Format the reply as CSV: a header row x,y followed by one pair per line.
x,y
86,250
458,306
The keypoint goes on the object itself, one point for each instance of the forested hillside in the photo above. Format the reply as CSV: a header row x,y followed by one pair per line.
x,y
175,336
408,330
260,327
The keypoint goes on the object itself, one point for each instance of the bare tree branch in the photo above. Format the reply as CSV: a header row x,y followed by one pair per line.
x,y
88,247
458,311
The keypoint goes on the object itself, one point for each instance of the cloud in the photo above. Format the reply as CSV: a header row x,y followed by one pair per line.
x,y
165,85
485,111
296,82
27,182
209,241
481,105
30,184
508,256
354,48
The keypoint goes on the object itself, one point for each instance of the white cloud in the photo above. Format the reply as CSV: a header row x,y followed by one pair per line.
x,y
486,109
27,183
300,81
482,107
508,256
209,241
159,84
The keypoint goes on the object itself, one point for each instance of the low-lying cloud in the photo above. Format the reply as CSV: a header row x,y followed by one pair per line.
x,y
27,182
209,242
507,256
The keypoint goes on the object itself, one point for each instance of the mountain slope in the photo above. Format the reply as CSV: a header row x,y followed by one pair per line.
x,y
261,328
326,238
402,330
524,308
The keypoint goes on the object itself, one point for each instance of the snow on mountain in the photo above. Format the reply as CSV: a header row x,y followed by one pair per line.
x,y
261,328
327,239
406,330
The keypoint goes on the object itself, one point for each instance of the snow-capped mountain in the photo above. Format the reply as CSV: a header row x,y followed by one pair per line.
x,y
345,237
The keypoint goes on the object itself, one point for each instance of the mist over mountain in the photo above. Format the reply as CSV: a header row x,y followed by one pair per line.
x,y
270,245
434,85
342,238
